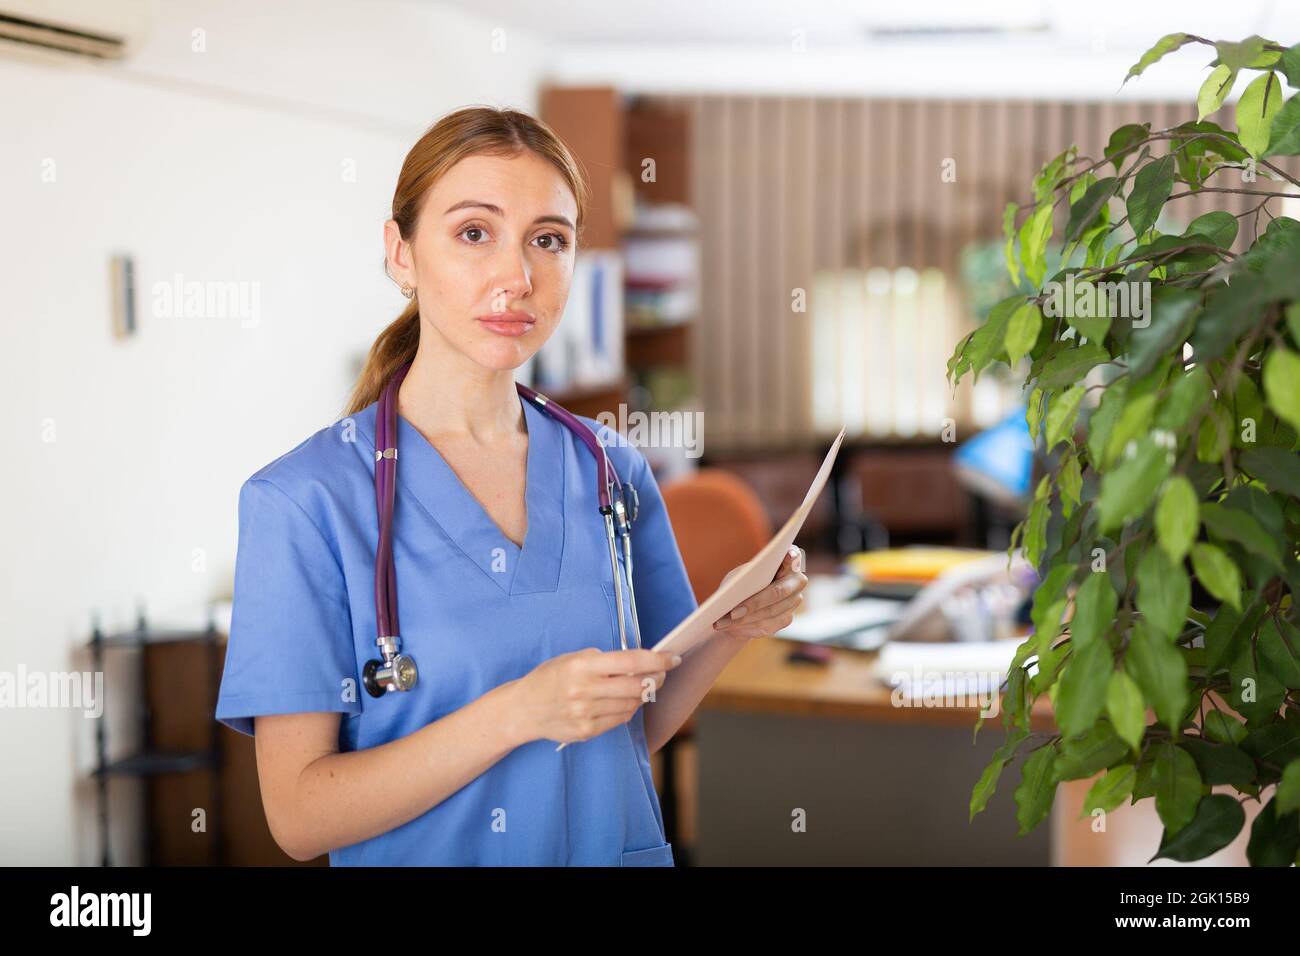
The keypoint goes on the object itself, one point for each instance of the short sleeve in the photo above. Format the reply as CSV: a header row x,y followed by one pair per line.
x,y
664,597
290,648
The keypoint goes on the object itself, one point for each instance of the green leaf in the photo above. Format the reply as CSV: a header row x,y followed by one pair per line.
x,y
1217,573
1053,171
1094,610
1282,384
1094,750
988,780
1223,729
1289,64
1008,249
1276,742
1034,413
1173,319
1220,763
1220,637
1070,365
1022,331
1214,434
1260,102
1161,671
1151,188
1037,788
1070,480
1103,419
1177,784
1034,233
1253,691
1081,696
1288,789
987,343
1164,592
1274,839
1277,251
1123,140
1279,651
1245,54
1284,137
1214,90
1217,821
1133,422
1231,309
1091,327
1110,791
1218,226
1142,788
1231,524
1085,212
1199,157
1177,518
1188,394
1246,404
1128,490
1279,468
1126,709
1035,539
1061,414
1166,44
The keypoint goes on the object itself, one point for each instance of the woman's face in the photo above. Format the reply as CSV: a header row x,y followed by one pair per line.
x,y
492,257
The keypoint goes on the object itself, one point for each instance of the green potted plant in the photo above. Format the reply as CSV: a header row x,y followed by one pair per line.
x,y
1164,385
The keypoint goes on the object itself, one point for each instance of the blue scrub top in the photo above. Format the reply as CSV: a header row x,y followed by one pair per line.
x,y
476,611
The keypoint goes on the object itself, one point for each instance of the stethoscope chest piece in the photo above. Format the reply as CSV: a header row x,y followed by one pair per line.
x,y
396,673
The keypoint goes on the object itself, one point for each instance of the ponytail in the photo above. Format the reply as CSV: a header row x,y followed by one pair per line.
x,y
394,347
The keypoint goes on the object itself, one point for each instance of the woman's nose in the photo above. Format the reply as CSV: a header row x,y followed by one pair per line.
x,y
511,279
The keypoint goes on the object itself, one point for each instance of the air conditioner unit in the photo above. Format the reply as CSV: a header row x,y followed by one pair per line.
x,y
94,29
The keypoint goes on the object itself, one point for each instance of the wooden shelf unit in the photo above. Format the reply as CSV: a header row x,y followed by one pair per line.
x,y
612,135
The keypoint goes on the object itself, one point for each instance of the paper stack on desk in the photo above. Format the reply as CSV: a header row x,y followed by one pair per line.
x,y
951,667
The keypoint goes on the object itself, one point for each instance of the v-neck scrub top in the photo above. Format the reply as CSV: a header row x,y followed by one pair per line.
x,y
476,611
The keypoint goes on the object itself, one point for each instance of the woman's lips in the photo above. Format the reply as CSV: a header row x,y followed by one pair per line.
x,y
512,324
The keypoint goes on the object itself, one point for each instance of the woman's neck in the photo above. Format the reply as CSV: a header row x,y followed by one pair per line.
x,y
446,394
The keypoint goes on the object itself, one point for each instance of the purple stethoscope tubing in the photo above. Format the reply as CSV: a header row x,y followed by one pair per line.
x,y
397,671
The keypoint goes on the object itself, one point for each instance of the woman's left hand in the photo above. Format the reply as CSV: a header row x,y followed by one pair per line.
x,y
771,609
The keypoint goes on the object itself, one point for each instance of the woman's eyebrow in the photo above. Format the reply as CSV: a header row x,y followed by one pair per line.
x,y
498,211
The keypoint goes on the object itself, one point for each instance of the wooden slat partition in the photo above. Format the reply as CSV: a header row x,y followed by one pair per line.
x,y
787,186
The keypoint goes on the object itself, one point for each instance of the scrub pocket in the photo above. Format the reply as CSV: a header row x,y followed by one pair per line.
x,y
653,856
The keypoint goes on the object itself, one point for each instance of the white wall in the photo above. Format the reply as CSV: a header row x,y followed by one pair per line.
x,y
226,166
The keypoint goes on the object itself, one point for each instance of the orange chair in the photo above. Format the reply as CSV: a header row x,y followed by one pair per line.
x,y
719,523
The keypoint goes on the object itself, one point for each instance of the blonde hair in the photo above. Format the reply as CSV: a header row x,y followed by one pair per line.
x,y
473,130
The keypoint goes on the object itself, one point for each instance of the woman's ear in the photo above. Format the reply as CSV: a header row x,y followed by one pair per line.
x,y
397,255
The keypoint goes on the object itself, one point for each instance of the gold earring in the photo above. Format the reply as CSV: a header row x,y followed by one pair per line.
x,y
407,290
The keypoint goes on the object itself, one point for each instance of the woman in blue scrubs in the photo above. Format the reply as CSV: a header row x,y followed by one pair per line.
x,y
505,591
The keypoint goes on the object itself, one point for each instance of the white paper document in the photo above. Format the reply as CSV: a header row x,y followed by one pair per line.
x,y
753,576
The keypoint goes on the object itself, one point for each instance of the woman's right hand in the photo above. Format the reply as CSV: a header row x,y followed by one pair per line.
x,y
584,693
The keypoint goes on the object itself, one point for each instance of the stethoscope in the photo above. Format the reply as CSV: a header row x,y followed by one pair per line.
x,y
617,501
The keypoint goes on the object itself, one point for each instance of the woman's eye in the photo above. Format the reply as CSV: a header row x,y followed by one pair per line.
x,y
471,229
557,242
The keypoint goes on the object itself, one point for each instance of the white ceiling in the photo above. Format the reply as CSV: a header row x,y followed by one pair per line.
x,y
840,22
926,47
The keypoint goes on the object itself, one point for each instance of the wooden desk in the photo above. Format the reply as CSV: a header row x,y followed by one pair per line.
x,y
878,784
